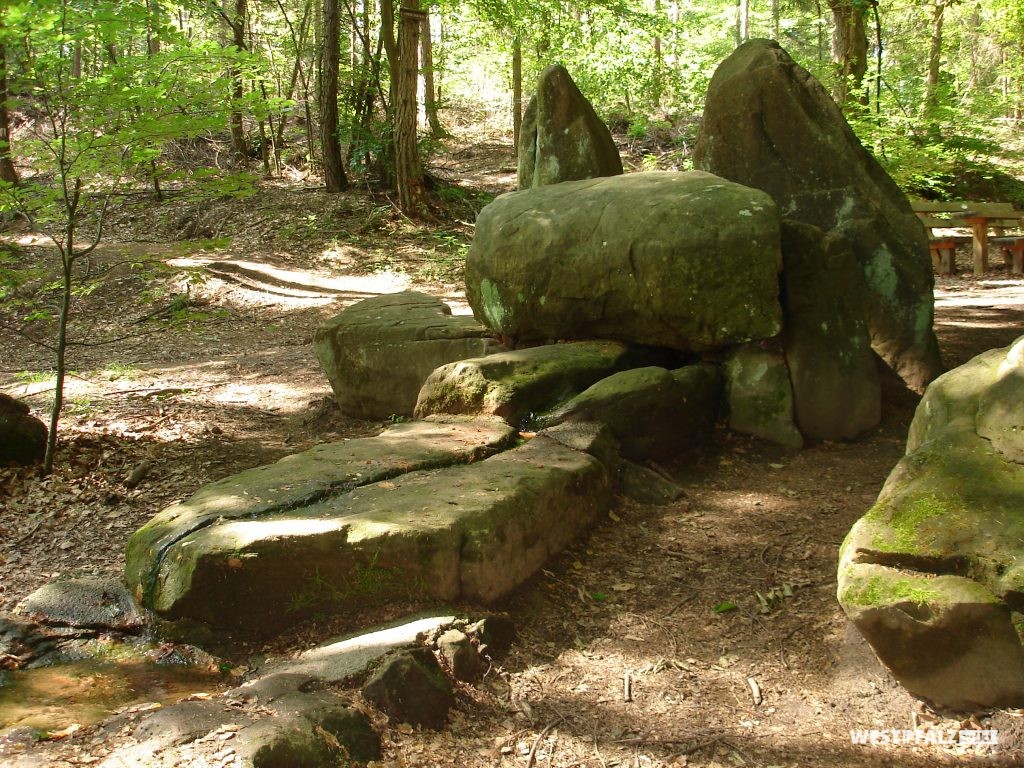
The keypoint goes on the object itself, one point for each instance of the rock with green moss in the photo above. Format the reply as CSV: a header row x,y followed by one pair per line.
x,y
377,352
932,574
770,125
562,138
409,687
654,413
310,730
518,384
305,478
462,532
687,261
836,392
759,396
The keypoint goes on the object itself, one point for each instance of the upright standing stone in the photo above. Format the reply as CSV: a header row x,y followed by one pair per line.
x,y
836,392
770,125
562,138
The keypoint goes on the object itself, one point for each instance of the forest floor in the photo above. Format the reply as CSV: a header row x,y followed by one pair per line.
x,y
214,372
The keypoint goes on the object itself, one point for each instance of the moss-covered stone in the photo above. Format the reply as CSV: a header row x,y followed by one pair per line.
x,y
377,352
470,532
520,384
561,137
651,258
769,124
760,397
836,391
932,574
652,412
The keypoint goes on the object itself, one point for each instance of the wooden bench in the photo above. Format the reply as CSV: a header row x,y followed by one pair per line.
x,y
979,217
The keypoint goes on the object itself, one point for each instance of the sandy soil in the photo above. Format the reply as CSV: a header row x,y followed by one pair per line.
x,y
622,659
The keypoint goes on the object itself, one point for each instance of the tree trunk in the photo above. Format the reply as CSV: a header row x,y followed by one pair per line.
x,y
429,89
931,91
517,90
152,39
8,172
334,172
236,22
659,61
849,48
408,173
299,41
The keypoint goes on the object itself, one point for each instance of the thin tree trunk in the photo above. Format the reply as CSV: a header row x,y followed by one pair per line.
x,y
931,92
334,171
152,39
239,150
389,41
659,62
412,194
429,90
517,90
67,254
299,41
8,172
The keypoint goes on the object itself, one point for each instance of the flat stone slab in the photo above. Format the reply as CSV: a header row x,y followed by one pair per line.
x,y
465,532
91,603
288,713
303,478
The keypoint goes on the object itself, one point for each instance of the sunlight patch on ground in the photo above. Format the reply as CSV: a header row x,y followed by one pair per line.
x,y
379,282
984,293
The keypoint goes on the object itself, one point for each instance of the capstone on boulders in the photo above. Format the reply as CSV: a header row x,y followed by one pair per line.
x,y
933,574
562,138
687,261
377,352
770,125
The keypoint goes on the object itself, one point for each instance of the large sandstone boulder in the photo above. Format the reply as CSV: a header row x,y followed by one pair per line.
x,y
681,260
263,550
932,575
562,138
836,392
377,352
652,412
770,125
22,435
519,384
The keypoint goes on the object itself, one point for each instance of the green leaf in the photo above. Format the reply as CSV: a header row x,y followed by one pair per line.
x,y
725,606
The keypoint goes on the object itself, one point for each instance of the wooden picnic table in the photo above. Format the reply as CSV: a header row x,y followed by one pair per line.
x,y
979,216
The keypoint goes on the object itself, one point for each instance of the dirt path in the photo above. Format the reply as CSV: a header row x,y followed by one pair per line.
x,y
230,381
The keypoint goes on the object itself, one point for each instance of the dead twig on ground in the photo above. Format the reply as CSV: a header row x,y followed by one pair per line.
x,y
532,757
